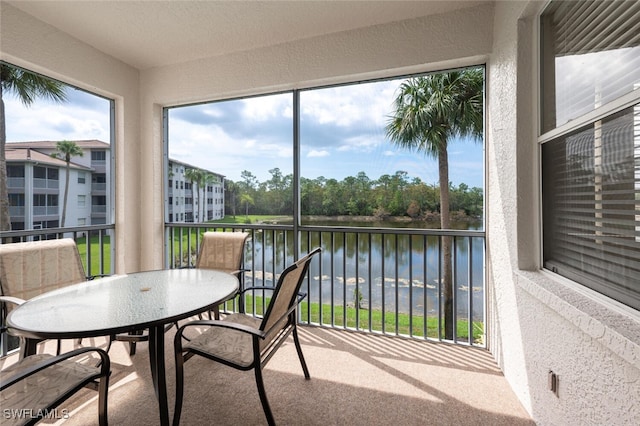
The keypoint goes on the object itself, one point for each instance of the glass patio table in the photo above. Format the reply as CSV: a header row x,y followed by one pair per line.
x,y
121,304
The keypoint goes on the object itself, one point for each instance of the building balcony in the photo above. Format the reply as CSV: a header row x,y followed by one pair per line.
x,y
98,188
15,183
98,210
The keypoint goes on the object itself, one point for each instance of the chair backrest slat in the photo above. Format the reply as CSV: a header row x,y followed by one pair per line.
x,y
222,250
286,292
31,268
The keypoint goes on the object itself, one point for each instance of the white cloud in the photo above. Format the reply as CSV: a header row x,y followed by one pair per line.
x,y
345,106
362,143
317,154
264,108
47,121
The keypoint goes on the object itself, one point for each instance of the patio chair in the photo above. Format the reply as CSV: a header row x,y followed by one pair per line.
x,y
32,388
246,342
223,251
28,269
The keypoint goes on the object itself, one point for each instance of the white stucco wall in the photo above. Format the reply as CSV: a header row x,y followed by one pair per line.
x,y
455,39
539,322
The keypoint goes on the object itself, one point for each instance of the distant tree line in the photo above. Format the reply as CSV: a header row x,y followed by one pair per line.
x,y
389,195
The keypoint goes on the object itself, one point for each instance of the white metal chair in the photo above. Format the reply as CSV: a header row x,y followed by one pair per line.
x,y
246,342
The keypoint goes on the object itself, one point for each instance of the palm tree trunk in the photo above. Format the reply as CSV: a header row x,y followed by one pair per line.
x,y
447,282
201,218
5,220
66,194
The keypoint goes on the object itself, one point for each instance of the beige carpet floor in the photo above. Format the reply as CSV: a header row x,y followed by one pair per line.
x,y
356,379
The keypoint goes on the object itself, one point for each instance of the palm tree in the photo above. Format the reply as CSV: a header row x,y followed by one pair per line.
x,y
430,111
201,178
230,196
27,87
205,179
247,200
65,151
194,176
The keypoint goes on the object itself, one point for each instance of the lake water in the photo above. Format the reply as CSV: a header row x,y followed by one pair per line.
x,y
388,271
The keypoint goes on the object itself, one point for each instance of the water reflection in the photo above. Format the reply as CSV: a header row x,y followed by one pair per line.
x,y
382,271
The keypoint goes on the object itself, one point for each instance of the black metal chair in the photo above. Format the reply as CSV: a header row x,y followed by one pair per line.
x,y
37,384
246,342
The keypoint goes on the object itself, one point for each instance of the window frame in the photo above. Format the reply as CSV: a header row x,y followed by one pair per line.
x,y
628,100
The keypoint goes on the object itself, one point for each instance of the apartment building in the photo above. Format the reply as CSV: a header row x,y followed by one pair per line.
x,y
36,184
192,201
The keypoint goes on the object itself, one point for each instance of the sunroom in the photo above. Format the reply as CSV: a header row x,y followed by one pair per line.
x,y
560,274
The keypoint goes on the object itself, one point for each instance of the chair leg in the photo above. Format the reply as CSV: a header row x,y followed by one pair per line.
x,y
179,359
263,396
299,350
216,312
132,345
103,392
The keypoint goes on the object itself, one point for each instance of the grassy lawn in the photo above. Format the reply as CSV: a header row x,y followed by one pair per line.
x,y
94,247
376,320
219,224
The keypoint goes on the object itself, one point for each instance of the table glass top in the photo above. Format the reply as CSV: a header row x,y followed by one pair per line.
x,y
112,304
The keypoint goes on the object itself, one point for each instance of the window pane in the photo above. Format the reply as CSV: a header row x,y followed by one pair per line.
x,y
82,118
39,172
353,173
15,171
247,145
591,196
52,200
590,56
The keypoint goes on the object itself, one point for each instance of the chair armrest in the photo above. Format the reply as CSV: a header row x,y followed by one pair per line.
x,y
300,294
257,287
225,324
104,369
237,271
92,277
11,299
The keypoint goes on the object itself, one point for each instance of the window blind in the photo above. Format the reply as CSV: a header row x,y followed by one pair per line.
x,y
591,206
590,56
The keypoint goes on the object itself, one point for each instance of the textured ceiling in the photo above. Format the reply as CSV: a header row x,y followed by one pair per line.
x,y
148,34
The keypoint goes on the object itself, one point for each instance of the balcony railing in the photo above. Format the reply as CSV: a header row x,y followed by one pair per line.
x,y
98,209
15,182
385,281
98,187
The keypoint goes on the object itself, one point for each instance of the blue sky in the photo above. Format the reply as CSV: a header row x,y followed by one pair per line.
x,y
342,134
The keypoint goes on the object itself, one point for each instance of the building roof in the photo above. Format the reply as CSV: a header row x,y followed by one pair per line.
x,y
85,144
14,152
23,155
187,165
